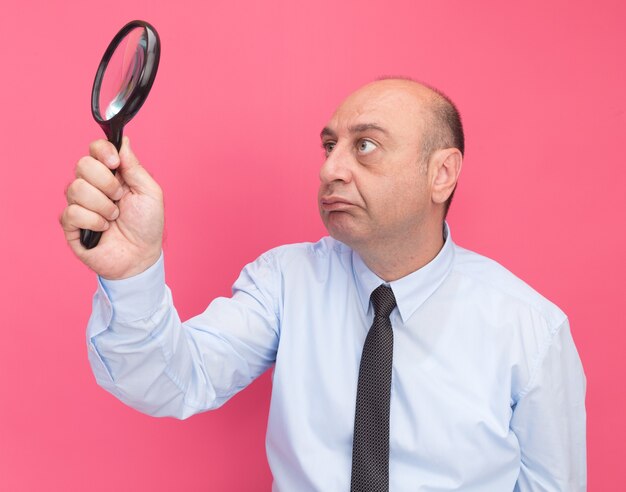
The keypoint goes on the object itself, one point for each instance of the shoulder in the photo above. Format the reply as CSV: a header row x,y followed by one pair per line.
x,y
296,266
493,282
323,251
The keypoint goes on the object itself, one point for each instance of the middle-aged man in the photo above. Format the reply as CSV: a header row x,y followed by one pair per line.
x,y
401,361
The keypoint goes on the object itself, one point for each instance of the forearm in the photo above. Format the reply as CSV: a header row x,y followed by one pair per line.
x,y
141,352
142,357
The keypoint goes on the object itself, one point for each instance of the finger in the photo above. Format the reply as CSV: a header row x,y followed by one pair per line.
x,y
75,217
88,196
98,175
105,152
133,173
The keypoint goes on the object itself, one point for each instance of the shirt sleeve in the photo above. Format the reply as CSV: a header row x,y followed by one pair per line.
x,y
549,421
141,352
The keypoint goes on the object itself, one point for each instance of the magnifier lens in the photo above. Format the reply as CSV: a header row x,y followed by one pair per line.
x,y
123,73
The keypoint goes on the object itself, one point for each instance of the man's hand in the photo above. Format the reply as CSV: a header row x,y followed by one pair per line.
x,y
127,207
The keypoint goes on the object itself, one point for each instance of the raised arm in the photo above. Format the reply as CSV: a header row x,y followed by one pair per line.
x,y
138,348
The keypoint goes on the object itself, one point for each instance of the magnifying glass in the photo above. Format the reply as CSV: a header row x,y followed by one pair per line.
x,y
123,80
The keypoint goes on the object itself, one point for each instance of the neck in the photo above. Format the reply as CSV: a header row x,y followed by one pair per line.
x,y
393,260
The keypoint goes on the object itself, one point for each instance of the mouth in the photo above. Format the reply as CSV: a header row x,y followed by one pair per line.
x,y
334,203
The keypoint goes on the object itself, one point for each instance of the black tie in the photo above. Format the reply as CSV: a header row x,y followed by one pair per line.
x,y
370,448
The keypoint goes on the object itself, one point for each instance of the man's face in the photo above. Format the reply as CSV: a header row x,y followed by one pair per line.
x,y
373,185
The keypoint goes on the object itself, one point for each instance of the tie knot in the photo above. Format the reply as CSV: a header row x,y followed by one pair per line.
x,y
383,301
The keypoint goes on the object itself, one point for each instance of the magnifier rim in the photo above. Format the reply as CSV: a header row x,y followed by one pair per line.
x,y
146,78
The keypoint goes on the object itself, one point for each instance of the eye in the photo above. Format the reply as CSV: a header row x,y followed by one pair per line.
x,y
328,147
366,146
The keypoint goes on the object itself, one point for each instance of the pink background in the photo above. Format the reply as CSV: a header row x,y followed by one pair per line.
x,y
231,133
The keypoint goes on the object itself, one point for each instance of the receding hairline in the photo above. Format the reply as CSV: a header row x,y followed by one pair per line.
x,y
444,114
440,119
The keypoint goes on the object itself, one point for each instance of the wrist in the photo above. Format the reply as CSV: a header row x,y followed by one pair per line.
x,y
139,296
137,268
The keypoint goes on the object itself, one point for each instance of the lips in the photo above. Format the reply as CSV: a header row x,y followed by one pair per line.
x,y
334,203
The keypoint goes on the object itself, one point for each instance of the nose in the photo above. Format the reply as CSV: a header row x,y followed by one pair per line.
x,y
337,166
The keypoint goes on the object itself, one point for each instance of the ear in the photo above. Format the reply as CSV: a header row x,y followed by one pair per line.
x,y
446,168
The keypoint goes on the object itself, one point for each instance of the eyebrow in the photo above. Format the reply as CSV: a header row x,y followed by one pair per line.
x,y
327,132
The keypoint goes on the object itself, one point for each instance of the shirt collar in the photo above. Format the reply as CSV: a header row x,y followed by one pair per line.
x,y
412,290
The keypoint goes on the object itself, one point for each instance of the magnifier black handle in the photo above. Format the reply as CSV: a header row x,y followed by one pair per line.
x,y
90,239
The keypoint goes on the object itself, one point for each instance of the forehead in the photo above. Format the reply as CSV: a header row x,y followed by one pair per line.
x,y
400,111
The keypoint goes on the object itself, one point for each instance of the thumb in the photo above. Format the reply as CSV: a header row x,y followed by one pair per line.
x,y
133,173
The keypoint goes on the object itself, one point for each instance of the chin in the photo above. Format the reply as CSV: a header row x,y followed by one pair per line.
x,y
343,227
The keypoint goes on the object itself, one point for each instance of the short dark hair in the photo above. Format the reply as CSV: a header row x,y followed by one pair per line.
x,y
444,131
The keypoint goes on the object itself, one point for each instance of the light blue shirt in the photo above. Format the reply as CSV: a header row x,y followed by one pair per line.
x,y
488,392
